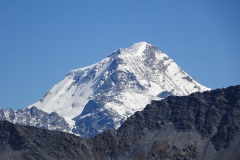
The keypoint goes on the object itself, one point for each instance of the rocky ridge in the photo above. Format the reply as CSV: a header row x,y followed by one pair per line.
x,y
199,126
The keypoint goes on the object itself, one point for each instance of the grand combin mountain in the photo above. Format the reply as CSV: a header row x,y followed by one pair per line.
x,y
103,95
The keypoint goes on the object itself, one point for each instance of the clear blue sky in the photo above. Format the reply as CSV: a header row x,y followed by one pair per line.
x,y
41,40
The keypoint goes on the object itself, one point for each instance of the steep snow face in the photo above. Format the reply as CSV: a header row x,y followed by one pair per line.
x,y
120,85
69,96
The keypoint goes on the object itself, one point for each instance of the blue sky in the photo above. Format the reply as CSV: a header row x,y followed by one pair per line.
x,y
40,41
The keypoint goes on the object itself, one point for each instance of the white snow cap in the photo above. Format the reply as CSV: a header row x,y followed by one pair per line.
x,y
137,48
138,45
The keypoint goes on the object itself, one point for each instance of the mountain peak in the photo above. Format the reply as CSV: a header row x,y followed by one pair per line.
x,y
138,45
119,85
137,48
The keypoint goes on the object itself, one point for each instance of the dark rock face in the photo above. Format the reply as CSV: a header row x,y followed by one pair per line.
x,y
199,126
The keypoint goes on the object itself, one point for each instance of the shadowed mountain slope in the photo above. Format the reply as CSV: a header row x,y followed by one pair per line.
x,y
199,126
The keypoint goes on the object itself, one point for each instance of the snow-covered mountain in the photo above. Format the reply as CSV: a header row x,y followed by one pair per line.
x,y
101,96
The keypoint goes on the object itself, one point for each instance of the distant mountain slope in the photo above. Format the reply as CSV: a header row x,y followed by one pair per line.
x,y
35,117
199,126
103,95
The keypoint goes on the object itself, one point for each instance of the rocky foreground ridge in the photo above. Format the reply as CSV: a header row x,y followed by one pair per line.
x,y
199,126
